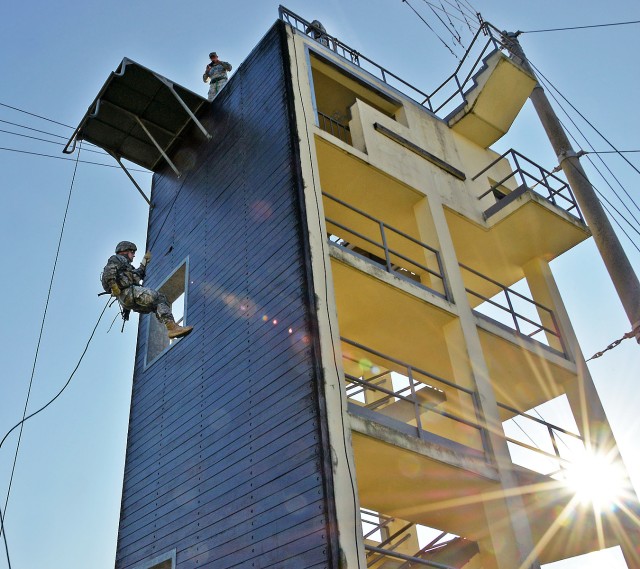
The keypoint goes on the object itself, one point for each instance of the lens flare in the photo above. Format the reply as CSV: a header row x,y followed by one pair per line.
x,y
596,479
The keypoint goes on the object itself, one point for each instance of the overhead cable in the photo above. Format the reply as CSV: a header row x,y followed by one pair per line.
x,y
591,146
611,151
44,317
620,226
450,28
34,129
463,10
2,526
580,27
72,159
429,26
40,117
34,115
49,141
586,120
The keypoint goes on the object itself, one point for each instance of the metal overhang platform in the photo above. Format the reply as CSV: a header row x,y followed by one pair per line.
x,y
139,115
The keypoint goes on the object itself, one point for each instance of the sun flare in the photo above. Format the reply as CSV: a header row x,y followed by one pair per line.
x,y
597,480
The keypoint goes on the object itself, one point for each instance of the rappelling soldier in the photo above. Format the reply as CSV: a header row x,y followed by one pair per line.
x,y
123,281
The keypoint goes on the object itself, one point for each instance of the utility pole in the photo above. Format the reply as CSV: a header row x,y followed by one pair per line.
x,y
615,259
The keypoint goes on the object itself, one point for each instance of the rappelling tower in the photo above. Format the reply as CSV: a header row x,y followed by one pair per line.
x,y
374,314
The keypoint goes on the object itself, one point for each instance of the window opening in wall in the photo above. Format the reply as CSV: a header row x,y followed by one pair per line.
x,y
174,288
165,560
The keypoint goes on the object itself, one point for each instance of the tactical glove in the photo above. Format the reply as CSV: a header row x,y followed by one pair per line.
x,y
115,289
145,259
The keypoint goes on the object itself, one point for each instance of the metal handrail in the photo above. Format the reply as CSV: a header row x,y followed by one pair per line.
x,y
384,228
404,557
551,429
388,545
495,42
349,53
411,370
516,317
558,191
334,127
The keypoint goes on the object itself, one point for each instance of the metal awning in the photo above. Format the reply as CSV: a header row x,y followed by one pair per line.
x,y
139,115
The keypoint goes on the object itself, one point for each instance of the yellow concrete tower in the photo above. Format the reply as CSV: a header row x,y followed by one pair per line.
x,y
444,337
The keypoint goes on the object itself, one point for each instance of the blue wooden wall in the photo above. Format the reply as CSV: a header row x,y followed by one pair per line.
x,y
227,457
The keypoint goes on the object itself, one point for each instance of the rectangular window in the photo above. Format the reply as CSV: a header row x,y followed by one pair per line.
x,y
165,560
175,289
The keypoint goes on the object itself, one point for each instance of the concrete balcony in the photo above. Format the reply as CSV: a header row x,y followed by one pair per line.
x,y
528,212
500,89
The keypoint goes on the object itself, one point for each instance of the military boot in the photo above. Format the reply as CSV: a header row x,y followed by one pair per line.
x,y
177,331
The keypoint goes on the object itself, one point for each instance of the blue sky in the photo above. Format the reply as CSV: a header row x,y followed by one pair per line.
x,y
65,497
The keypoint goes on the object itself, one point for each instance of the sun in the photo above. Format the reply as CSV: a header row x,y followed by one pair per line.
x,y
596,479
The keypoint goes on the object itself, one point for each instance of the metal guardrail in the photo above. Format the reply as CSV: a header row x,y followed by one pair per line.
x,y
443,97
517,318
352,55
553,431
391,259
334,127
462,78
386,546
534,177
409,558
423,393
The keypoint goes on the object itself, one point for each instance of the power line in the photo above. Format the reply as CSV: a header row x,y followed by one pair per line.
x,y
580,27
44,317
49,141
591,146
463,10
72,159
37,116
34,129
450,27
429,26
40,117
611,151
586,120
603,177
2,528
619,225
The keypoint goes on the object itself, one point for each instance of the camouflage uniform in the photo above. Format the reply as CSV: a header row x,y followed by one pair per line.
x,y
133,296
216,76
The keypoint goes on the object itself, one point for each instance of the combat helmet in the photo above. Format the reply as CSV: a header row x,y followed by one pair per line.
x,y
125,246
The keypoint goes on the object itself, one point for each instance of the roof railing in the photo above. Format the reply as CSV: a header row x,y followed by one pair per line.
x,y
444,97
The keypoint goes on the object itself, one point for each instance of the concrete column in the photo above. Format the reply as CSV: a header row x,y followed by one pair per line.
x,y
583,398
509,542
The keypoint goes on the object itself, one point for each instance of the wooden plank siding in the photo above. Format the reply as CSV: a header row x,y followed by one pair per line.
x,y
227,460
